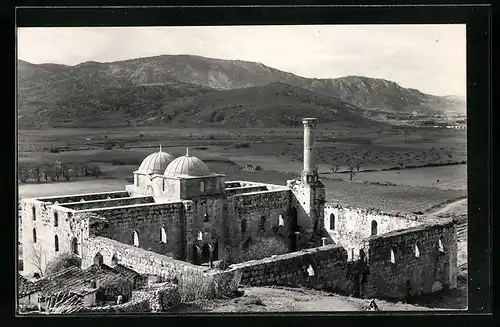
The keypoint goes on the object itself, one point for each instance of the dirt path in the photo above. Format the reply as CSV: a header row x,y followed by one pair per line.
x,y
285,299
448,207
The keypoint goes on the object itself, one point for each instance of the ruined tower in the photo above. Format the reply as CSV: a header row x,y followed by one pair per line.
x,y
309,191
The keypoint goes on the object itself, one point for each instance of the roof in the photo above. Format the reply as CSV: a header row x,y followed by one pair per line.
x,y
24,286
155,163
187,166
75,280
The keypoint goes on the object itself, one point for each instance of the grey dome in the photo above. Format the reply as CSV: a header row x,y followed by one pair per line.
x,y
187,166
155,163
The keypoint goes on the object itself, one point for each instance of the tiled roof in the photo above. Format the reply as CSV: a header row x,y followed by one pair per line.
x,y
76,280
24,286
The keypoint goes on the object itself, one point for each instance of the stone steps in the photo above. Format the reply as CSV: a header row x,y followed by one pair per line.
x,y
462,231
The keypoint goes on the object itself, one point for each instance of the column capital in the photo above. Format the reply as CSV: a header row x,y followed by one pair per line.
x,y
310,122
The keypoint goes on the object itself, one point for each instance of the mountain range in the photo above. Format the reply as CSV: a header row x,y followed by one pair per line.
x,y
186,89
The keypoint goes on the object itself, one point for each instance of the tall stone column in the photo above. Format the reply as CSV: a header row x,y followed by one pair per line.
x,y
309,171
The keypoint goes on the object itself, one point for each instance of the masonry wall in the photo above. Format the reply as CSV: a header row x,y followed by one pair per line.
x,y
309,200
213,207
36,255
253,206
245,189
85,197
329,264
409,274
147,220
108,203
353,225
194,281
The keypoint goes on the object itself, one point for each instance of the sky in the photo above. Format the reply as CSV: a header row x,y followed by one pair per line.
x,y
430,58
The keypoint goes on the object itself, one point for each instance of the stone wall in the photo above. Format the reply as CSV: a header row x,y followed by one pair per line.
x,y
194,281
118,202
147,220
212,230
161,296
85,197
245,189
40,218
328,264
259,209
353,225
309,200
410,262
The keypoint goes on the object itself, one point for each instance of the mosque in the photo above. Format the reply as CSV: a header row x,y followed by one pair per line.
x,y
178,208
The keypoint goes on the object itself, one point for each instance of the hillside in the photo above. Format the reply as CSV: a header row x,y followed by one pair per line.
x,y
64,89
274,104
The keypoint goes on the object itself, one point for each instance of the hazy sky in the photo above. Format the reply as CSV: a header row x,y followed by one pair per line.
x,y
431,58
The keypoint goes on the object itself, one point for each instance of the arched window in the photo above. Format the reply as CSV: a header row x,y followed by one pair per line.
x,y
34,235
200,236
56,219
114,259
417,250
374,227
281,222
33,211
332,221
310,271
202,187
136,239
98,259
56,243
393,257
440,245
74,246
262,223
243,226
163,235
206,218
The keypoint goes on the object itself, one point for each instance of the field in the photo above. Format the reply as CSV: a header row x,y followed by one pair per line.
x,y
383,180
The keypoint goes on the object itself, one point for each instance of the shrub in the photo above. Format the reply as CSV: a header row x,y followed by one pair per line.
x,y
63,261
108,145
223,264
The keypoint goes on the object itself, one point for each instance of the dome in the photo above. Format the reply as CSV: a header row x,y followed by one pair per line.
x,y
155,163
187,166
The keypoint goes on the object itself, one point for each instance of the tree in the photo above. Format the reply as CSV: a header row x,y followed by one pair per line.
x,y
358,164
67,172
63,261
23,174
36,258
94,170
335,167
350,166
36,172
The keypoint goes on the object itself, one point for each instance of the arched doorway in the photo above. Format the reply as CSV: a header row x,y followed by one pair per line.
x,y
215,252
74,245
294,227
205,253
196,254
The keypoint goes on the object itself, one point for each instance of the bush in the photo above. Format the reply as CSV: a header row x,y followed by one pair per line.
x,y
63,261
